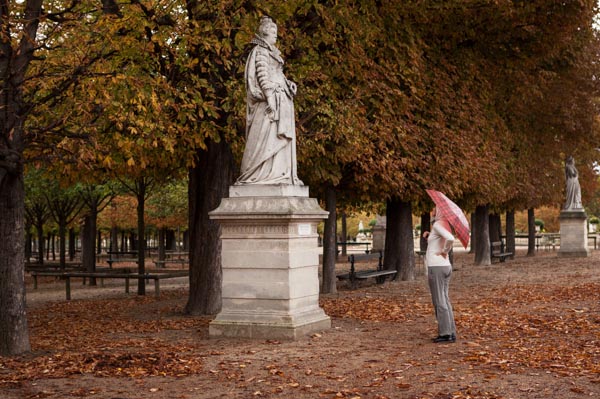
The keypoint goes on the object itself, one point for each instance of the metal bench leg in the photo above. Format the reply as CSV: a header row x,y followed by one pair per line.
x,y
35,281
157,287
127,285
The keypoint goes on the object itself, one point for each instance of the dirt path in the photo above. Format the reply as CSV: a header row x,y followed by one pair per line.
x,y
529,328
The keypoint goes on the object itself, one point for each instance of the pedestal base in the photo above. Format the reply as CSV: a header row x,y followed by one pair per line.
x,y
238,326
270,261
573,234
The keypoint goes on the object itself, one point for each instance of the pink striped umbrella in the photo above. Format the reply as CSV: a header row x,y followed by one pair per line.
x,y
448,210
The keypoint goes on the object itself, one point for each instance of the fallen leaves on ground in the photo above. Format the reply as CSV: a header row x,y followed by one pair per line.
x,y
561,336
102,338
505,327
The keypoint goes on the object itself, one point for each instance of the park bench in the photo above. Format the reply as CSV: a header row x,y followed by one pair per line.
x,y
121,257
497,249
120,260
67,276
58,274
379,274
163,263
48,267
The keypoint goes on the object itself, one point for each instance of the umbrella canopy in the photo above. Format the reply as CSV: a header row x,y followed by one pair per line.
x,y
453,214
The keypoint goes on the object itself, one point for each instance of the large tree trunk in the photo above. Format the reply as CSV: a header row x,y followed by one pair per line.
x,y
391,258
40,241
510,233
62,245
399,244
14,63
98,242
495,227
114,239
171,244
330,243
14,334
208,183
123,242
407,243
482,230
141,233
162,232
531,232
88,245
72,241
473,245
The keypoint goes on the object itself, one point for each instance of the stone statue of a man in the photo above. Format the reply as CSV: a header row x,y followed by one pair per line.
x,y
573,190
270,153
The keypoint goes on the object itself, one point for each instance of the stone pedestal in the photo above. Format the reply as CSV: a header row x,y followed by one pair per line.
x,y
379,233
270,261
573,234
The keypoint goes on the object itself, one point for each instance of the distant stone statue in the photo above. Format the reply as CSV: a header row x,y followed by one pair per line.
x,y
573,190
270,153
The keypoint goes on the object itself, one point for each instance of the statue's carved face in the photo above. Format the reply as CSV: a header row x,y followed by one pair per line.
x,y
270,34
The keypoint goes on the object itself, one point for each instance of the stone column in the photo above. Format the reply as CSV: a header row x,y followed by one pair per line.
x,y
573,234
270,261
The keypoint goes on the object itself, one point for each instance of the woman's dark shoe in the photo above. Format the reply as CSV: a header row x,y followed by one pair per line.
x,y
445,338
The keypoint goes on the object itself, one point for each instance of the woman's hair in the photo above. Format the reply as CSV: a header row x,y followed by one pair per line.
x,y
265,24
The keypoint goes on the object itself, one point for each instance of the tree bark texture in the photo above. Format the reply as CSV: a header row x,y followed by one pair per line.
x,y
171,241
62,245
72,241
407,243
88,245
391,258
161,243
495,227
344,235
399,245
531,232
14,333
330,243
141,232
510,233
98,242
114,239
41,243
482,251
14,63
208,183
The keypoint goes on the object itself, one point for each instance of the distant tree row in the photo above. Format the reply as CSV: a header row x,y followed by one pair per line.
x,y
82,209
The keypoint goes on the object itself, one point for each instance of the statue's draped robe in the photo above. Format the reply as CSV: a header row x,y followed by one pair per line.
x,y
573,190
270,153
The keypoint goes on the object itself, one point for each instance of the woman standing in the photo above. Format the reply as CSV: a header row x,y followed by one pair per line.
x,y
439,271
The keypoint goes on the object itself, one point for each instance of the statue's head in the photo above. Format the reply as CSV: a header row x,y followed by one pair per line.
x,y
267,30
570,159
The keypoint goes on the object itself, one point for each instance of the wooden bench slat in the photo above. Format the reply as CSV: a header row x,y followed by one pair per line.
x,y
354,275
364,276
497,251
